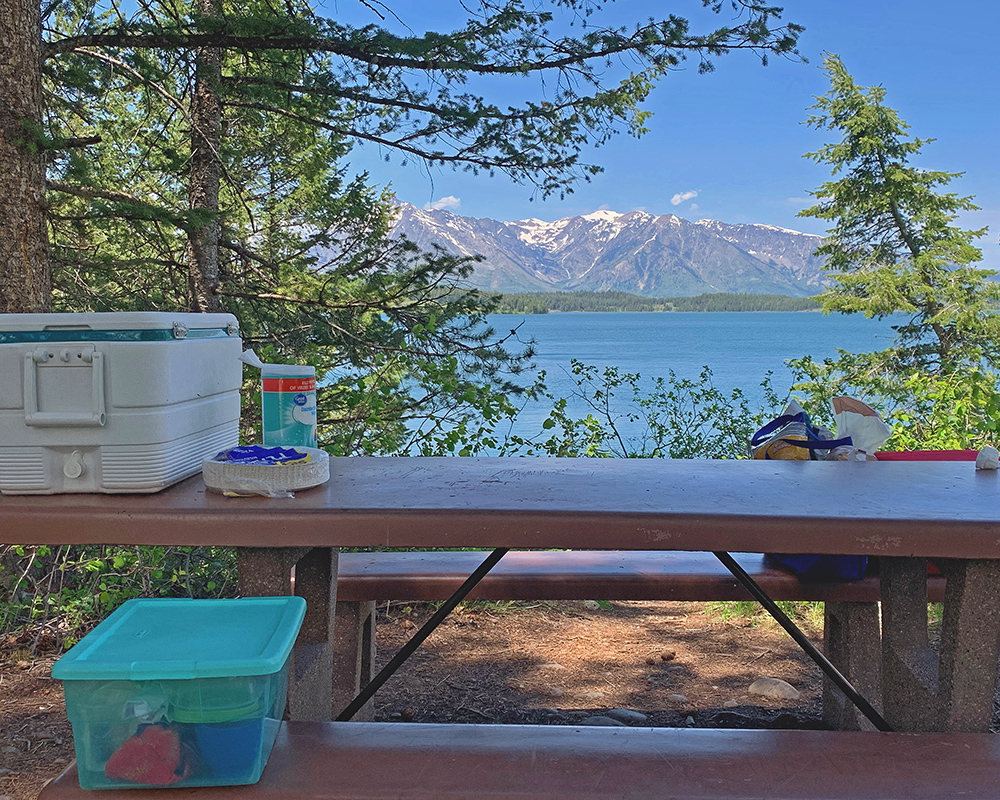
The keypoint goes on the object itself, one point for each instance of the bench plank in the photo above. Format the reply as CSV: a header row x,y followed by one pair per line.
x,y
586,575
390,761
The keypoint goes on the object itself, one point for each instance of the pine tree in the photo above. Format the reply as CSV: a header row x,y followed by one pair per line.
x,y
894,247
24,273
196,157
408,94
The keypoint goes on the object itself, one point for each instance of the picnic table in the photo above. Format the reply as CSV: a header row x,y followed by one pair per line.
x,y
903,512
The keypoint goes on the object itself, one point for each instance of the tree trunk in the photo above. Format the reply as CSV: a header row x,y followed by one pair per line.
x,y
205,170
25,277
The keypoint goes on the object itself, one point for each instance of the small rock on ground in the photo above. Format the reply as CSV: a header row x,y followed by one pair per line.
x,y
774,688
626,715
600,719
677,698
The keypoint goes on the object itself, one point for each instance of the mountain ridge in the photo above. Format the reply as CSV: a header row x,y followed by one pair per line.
x,y
637,252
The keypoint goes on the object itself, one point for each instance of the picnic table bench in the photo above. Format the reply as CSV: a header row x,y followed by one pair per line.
x,y
401,761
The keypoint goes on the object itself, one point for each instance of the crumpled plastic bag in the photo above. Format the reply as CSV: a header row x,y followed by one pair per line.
x,y
862,425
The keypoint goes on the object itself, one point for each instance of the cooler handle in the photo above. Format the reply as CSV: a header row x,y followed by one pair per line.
x,y
53,356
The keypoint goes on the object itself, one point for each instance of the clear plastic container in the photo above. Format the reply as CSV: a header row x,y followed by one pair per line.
x,y
180,692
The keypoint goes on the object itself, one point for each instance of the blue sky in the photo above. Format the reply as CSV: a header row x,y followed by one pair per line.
x,y
729,145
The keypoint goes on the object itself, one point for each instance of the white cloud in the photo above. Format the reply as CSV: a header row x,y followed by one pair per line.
x,y
680,197
694,207
450,201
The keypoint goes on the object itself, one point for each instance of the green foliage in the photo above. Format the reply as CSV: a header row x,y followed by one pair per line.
x,y
677,418
419,96
306,259
807,615
544,302
893,246
958,411
894,249
59,593
727,301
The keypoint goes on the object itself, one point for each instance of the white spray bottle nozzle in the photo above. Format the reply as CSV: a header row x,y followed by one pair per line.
x,y
251,358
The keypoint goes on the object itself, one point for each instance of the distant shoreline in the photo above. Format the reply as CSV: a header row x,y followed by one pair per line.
x,y
569,302
668,311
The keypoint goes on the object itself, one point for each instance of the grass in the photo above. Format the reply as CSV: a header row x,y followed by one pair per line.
x,y
808,615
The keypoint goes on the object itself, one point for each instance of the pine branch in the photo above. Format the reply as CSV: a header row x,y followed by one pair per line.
x,y
658,42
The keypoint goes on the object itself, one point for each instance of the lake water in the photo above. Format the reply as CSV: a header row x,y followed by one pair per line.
x,y
739,347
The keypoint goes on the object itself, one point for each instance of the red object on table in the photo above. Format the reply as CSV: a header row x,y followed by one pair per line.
x,y
928,455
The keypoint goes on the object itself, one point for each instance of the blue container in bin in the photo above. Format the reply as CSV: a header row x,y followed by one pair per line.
x,y
180,692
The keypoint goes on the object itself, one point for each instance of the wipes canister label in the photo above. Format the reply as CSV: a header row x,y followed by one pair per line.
x,y
289,410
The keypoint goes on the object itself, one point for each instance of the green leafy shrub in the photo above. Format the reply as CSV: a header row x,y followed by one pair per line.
x,y
59,593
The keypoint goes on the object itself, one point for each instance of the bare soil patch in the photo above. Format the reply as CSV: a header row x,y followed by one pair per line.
x,y
536,663
559,663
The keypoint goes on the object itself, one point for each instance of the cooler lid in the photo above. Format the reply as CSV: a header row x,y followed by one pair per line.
x,y
128,326
182,639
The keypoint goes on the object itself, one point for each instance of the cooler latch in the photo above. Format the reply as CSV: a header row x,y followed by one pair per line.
x,y
64,386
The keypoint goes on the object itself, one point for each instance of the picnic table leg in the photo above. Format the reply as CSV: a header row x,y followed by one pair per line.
x,y
970,644
353,655
266,571
909,665
852,643
953,691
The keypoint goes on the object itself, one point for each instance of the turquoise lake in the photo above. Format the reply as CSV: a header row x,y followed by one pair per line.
x,y
739,347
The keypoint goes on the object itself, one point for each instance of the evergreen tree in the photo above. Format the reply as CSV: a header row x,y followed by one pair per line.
x,y
894,246
24,273
196,150
408,94
303,255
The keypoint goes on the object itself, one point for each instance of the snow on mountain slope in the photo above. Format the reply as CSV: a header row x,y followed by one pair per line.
x,y
656,256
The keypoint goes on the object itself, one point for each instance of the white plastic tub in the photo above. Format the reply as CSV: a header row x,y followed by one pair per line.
x,y
128,402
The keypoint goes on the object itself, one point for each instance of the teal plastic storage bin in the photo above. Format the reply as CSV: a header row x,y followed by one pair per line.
x,y
180,692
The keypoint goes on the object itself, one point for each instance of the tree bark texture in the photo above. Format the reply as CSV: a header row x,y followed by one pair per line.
x,y
204,175
25,277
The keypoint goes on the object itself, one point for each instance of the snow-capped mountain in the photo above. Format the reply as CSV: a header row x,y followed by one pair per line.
x,y
655,256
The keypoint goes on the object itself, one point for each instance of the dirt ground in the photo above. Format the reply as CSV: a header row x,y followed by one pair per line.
x,y
539,663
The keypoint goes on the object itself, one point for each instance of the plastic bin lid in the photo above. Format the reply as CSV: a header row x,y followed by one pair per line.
x,y
184,639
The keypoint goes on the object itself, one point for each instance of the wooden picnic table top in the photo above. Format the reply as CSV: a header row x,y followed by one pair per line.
x,y
933,509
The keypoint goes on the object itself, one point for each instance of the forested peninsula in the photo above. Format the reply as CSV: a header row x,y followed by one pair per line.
x,y
544,302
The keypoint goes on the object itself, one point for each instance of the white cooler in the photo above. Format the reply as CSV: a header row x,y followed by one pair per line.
x,y
123,402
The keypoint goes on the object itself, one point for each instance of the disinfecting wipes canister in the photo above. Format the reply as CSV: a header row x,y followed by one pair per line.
x,y
288,400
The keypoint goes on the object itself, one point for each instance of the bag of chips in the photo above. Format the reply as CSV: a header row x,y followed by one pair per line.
x,y
792,437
